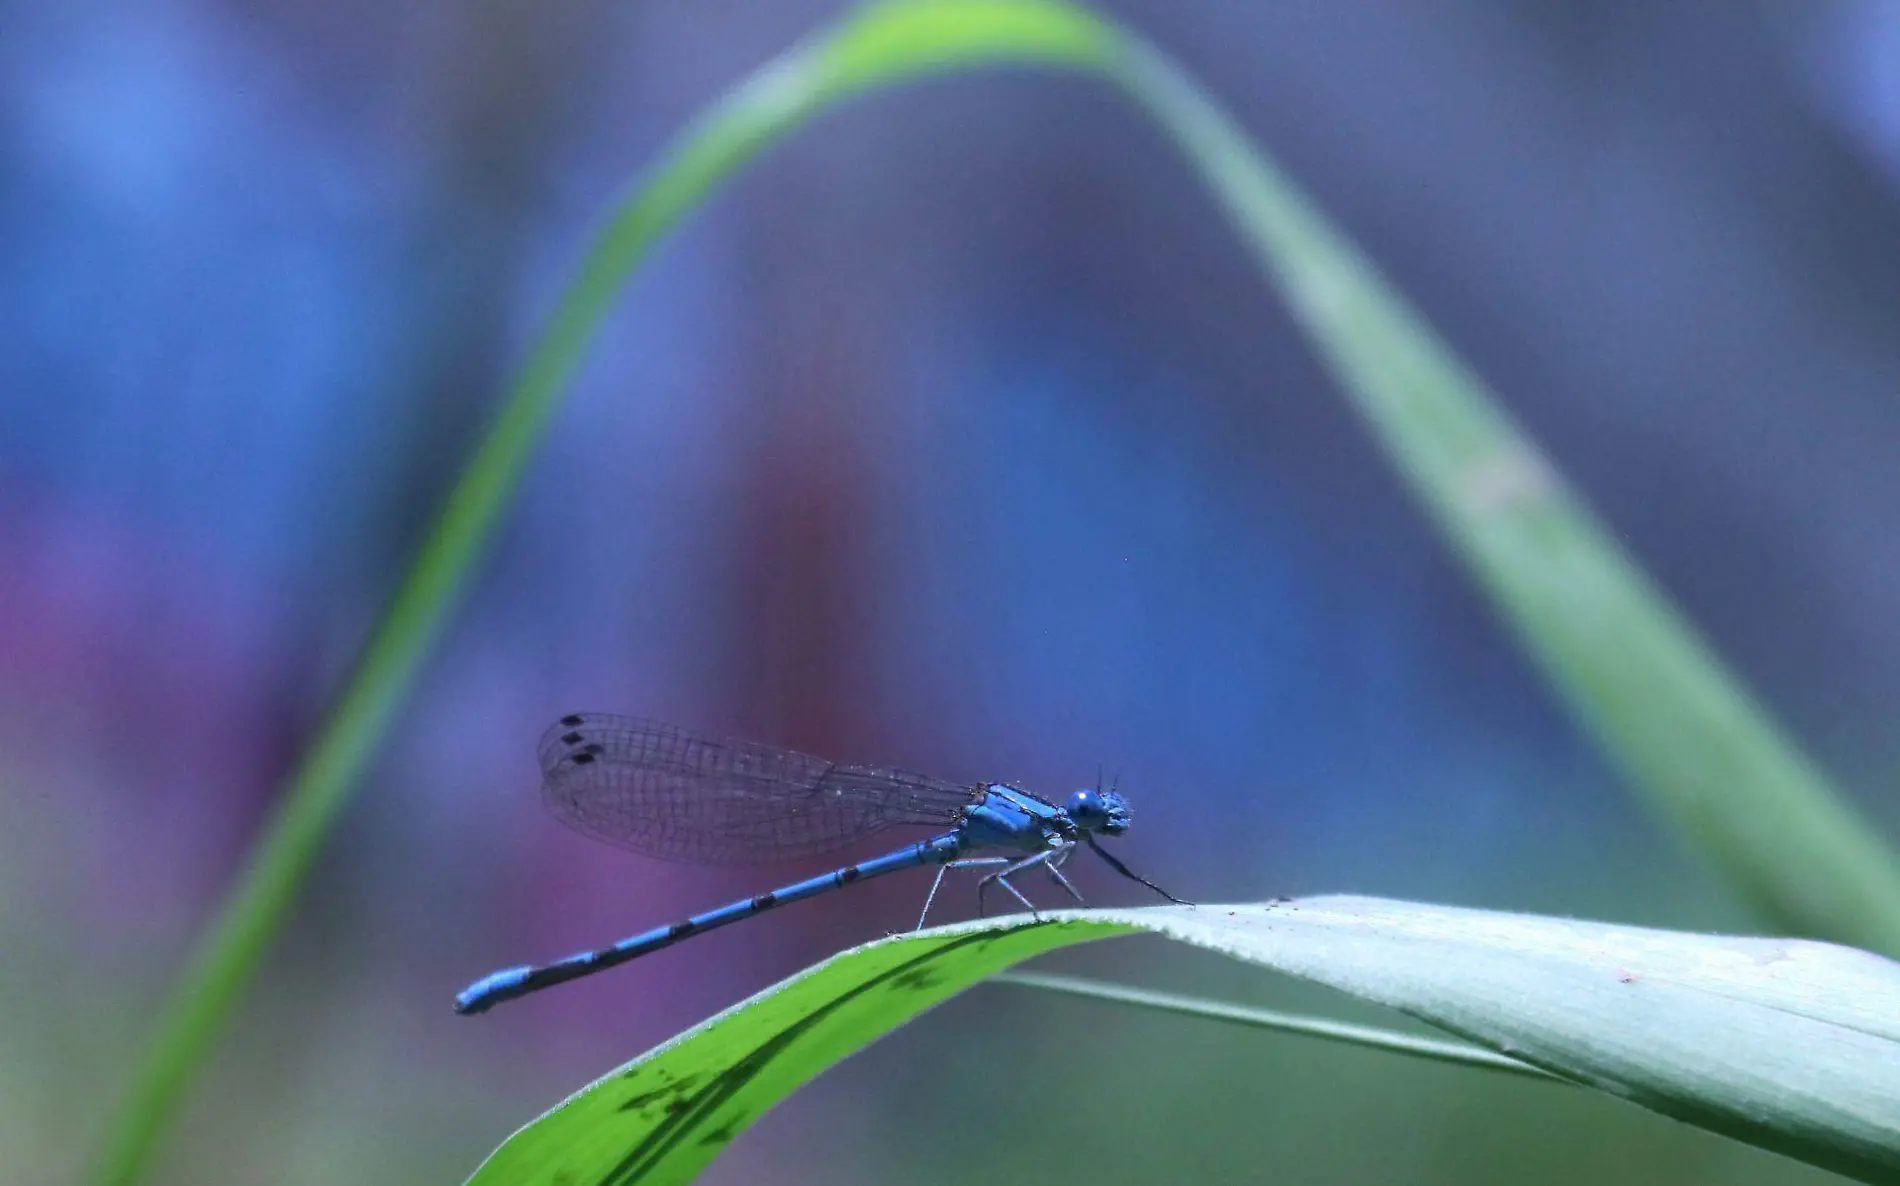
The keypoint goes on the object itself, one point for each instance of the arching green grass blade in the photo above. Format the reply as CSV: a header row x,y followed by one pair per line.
x,y
1787,1044
1707,757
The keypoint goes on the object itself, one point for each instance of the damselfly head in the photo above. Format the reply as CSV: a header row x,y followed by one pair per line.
x,y
1098,811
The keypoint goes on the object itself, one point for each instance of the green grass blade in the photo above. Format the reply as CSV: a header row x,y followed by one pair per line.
x,y
1790,1045
1689,737
1390,1041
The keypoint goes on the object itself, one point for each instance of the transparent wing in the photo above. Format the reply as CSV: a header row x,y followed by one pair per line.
x,y
667,792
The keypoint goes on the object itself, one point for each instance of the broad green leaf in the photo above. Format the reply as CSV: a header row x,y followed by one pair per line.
x,y
1788,1044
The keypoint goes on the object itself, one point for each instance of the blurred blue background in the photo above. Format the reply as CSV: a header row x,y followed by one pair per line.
x,y
956,434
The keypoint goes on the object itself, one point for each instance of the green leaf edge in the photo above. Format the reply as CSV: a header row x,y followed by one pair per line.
x,y
662,1117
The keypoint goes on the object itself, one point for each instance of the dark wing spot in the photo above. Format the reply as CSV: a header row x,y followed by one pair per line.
x,y
582,758
593,747
572,719
574,738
